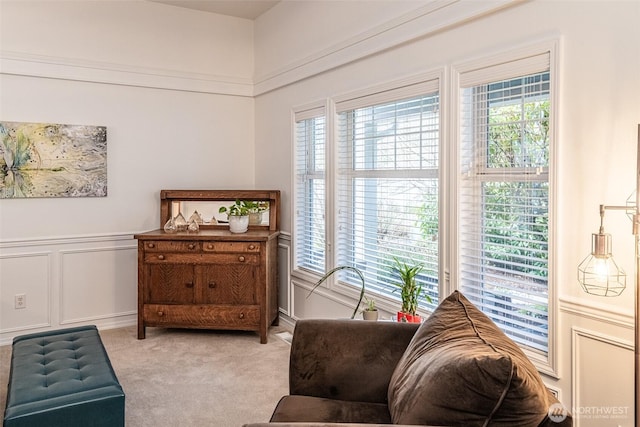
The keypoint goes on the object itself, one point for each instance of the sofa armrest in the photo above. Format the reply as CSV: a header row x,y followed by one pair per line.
x,y
346,359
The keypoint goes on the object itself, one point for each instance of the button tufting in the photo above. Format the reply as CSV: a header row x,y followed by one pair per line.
x,y
67,367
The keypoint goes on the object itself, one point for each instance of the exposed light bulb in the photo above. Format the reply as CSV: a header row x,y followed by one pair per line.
x,y
600,269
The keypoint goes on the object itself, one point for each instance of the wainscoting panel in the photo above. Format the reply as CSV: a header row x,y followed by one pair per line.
x,y
97,283
26,274
68,281
602,381
284,277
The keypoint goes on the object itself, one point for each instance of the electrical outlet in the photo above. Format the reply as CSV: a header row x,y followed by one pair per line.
x,y
21,301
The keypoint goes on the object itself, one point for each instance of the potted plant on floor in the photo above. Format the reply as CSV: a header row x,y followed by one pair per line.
x,y
410,290
238,214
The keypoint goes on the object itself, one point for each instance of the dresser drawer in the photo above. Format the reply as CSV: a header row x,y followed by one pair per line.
x,y
171,246
233,258
231,247
202,316
173,257
201,258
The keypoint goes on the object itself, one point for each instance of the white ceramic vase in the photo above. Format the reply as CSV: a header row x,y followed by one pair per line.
x,y
238,224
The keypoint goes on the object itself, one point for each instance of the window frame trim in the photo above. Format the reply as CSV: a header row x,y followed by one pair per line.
x,y
552,47
448,86
433,80
333,288
299,113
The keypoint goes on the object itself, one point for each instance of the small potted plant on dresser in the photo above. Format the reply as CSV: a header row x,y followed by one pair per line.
x,y
238,214
256,210
410,290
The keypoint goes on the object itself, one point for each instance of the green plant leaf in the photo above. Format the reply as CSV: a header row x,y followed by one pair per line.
x,y
334,270
410,289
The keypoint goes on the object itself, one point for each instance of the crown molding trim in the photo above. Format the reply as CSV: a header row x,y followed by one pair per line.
x,y
23,64
422,22
434,17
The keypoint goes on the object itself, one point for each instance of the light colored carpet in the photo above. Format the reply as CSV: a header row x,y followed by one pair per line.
x,y
180,377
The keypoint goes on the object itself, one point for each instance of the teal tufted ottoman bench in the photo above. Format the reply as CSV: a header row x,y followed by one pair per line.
x,y
63,378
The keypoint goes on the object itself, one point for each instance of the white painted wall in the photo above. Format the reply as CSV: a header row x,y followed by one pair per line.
x,y
280,48
172,86
130,33
597,133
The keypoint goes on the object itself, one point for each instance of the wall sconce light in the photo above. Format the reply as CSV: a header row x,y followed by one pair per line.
x,y
599,274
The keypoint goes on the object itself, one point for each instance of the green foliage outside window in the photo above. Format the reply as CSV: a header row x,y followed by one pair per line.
x,y
516,212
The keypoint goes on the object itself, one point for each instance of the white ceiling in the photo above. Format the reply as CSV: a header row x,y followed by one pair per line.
x,y
248,9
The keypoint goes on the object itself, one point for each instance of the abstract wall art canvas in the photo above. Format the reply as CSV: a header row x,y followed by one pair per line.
x,y
52,160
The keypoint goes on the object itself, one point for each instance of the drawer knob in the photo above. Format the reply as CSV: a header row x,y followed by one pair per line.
x,y
160,257
241,315
161,313
252,247
151,245
209,246
189,285
241,258
191,246
212,285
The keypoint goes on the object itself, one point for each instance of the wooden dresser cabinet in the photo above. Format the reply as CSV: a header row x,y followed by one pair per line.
x,y
212,279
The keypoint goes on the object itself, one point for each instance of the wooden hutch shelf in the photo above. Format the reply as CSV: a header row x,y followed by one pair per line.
x,y
212,279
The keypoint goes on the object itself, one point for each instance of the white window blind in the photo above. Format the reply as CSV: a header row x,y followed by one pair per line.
x,y
504,196
388,185
310,190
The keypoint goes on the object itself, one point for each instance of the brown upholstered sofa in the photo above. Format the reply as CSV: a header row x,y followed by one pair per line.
x,y
456,369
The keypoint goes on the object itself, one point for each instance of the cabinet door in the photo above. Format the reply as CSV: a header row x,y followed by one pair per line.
x,y
171,284
229,283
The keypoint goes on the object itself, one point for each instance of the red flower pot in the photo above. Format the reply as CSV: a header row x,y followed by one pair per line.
x,y
408,318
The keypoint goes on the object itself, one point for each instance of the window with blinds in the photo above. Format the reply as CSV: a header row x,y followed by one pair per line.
x,y
387,186
504,196
310,190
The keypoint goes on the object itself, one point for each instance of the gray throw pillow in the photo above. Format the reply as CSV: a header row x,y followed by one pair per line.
x,y
460,369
